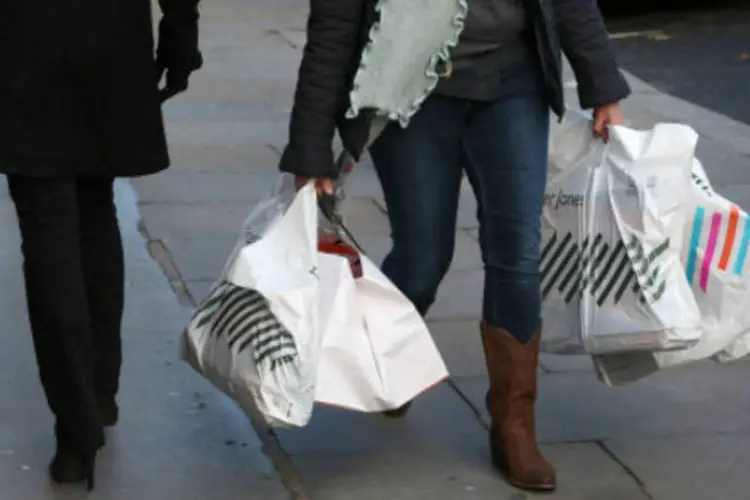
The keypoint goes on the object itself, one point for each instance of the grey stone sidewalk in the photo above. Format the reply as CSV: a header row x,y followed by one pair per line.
x,y
681,435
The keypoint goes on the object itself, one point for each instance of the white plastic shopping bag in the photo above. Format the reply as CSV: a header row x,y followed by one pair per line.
x,y
377,352
290,324
714,257
716,266
257,336
613,224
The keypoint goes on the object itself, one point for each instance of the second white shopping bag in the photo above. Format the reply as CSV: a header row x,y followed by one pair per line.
x,y
377,352
613,225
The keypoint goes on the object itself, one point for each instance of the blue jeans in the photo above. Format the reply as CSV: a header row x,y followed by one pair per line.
x,y
501,145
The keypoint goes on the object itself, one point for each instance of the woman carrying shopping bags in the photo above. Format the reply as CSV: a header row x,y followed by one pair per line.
x,y
81,106
483,111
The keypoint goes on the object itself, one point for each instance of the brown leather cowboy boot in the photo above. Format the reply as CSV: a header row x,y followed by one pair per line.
x,y
513,369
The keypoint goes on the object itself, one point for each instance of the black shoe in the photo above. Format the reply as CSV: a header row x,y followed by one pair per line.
x,y
398,412
71,467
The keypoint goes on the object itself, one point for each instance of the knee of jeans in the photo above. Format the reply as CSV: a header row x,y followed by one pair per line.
x,y
419,276
514,252
520,270
518,263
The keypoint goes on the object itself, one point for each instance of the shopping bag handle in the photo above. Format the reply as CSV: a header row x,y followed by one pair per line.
x,y
327,202
327,205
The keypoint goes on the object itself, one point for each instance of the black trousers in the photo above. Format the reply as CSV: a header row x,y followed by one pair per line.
x,y
74,272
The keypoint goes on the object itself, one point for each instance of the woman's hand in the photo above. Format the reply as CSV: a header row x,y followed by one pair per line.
x,y
604,116
322,186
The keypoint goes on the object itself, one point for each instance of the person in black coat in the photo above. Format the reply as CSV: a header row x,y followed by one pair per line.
x,y
487,118
81,106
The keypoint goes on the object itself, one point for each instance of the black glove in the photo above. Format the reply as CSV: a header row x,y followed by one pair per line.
x,y
177,54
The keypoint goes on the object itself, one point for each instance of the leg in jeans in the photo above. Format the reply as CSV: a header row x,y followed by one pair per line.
x,y
103,272
506,151
420,172
59,312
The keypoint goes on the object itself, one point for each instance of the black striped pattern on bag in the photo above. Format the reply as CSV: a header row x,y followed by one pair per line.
x,y
604,270
245,319
702,184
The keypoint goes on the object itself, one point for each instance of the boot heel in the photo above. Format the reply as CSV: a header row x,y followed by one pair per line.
x,y
513,371
69,467
90,474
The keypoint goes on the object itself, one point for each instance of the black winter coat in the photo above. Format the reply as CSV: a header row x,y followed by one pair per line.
x,y
337,33
78,84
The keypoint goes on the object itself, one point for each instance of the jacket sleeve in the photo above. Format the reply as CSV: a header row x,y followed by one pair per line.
x,y
585,42
178,36
333,33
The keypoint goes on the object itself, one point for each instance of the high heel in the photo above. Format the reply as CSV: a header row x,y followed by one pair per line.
x,y
90,476
68,467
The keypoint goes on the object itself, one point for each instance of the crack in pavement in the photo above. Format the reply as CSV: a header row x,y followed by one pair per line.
x,y
626,468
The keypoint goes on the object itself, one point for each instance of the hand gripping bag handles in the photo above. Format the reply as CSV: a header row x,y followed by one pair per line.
x,y
290,324
613,228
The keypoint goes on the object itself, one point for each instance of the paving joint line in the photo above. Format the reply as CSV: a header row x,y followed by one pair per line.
x,y
467,401
280,34
626,468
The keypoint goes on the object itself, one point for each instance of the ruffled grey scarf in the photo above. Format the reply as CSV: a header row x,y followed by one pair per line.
x,y
397,71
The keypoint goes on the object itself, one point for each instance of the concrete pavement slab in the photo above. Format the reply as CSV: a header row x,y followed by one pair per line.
x,y
703,399
584,470
199,258
199,288
737,193
460,343
724,166
224,219
439,451
226,109
227,133
176,187
343,454
249,156
459,297
165,221
701,467
568,363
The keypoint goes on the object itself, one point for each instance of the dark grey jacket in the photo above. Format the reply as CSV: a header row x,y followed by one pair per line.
x,y
78,84
337,33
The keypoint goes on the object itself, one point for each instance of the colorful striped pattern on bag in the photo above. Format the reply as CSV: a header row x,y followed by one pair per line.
x,y
603,270
717,251
244,318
